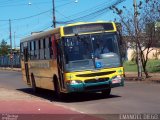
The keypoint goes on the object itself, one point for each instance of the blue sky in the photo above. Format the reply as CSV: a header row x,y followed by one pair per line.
x,y
36,15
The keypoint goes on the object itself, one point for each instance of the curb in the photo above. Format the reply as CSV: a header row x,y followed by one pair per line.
x,y
155,81
143,80
132,76
10,69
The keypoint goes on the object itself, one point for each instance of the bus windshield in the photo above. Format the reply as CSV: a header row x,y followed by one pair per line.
x,y
82,52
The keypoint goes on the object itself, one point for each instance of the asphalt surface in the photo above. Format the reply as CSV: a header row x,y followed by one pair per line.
x,y
11,79
134,97
18,102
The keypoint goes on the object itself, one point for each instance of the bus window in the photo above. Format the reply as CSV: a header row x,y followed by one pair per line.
x,y
32,48
47,51
44,48
41,49
21,51
29,49
37,49
50,48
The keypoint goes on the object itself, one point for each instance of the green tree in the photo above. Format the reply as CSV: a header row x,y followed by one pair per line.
x,y
134,27
4,48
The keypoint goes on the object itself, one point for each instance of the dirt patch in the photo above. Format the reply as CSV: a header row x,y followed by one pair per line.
x,y
10,94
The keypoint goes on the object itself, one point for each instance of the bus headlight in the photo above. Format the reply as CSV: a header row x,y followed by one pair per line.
x,y
117,79
74,82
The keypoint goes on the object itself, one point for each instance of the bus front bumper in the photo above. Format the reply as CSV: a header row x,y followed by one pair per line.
x,y
94,87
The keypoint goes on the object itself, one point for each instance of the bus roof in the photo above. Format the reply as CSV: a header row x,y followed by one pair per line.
x,y
56,30
40,35
83,23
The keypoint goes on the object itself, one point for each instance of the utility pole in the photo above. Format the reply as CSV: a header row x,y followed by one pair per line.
x,y
10,36
139,65
54,16
14,40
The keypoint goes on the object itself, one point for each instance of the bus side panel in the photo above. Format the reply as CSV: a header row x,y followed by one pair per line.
x,y
43,71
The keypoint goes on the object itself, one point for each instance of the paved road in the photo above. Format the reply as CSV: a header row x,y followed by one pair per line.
x,y
135,97
11,79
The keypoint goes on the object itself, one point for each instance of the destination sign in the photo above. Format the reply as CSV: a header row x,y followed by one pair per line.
x,y
85,28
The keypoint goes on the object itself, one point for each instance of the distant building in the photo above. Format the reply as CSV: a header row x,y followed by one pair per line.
x,y
152,29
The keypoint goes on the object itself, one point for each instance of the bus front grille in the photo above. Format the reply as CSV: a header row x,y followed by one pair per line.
x,y
96,80
95,74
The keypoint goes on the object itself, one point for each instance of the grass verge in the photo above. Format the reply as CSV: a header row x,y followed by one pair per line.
x,y
152,66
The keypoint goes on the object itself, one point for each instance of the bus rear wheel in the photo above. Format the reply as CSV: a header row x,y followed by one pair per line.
x,y
106,92
33,84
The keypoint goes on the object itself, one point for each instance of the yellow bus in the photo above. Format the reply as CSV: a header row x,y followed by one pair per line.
x,y
66,59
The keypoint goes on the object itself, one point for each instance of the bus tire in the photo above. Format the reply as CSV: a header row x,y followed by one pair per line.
x,y
33,84
106,92
57,91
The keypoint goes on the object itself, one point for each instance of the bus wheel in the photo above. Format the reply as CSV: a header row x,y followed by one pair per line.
x,y
106,92
58,93
33,83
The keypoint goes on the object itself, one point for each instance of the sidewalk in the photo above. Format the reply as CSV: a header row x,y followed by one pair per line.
x,y
154,77
12,101
11,69
15,105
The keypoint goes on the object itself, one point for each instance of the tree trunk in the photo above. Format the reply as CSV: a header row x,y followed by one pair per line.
x,y
146,73
145,70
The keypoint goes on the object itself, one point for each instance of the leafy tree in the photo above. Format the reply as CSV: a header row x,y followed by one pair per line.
x,y
139,28
4,48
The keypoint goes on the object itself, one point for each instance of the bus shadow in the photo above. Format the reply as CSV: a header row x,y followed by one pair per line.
x,y
69,98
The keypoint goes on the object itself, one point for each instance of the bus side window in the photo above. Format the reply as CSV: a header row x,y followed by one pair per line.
x,y
44,48
41,49
47,52
29,49
32,48
21,51
37,49
39,44
50,48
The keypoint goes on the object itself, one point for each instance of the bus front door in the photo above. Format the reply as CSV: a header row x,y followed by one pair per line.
x,y
26,65
60,66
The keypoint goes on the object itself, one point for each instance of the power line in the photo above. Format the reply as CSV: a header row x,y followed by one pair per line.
x,y
63,15
23,4
85,11
90,9
99,10
29,16
44,27
64,4
88,16
33,3
92,14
